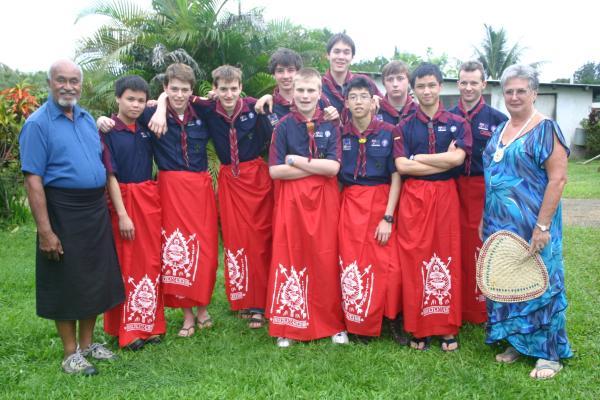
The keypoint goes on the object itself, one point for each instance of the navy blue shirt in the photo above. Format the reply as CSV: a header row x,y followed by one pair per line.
x,y
389,114
66,154
335,92
411,137
484,120
252,130
291,137
128,154
183,147
379,155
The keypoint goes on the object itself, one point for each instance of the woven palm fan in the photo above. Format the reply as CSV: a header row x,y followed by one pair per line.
x,y
507,272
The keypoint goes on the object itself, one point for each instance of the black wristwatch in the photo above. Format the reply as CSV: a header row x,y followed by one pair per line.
x,y
388,218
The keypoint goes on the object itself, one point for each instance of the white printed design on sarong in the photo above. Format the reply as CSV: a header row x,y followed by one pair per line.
x,y
141,306
357,289
436,286
289,305
478,295
237,273
179,258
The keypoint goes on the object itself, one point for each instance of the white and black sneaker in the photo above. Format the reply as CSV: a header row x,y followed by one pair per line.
x,y
77,364
284,342
98,352
340,338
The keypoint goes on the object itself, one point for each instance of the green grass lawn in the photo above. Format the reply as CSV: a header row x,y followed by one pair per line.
x,y
583,181
230,361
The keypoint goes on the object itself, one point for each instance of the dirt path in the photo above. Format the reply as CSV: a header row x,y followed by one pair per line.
x,y
581,212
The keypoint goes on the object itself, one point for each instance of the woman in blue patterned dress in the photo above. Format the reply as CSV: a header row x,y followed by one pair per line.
x,y
525,167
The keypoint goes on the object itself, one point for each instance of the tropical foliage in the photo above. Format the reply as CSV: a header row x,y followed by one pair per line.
x,y
588,73
591,126
16,104
448,67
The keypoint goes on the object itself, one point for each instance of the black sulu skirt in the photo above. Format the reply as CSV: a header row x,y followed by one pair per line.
x,y
87,280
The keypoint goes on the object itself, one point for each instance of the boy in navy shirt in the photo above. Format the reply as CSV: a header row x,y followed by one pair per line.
x,y
304,298
429,148
397,103
370,272
483,120
134,203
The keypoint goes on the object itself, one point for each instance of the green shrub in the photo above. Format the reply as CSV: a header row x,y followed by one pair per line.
x,y
591,126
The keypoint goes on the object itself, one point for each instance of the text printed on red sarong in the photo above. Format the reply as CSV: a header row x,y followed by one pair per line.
x,y
237,273
140,312
357,289
179,258
437,283
290,298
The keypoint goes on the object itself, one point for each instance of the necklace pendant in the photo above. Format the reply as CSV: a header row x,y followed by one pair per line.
x,y
499,154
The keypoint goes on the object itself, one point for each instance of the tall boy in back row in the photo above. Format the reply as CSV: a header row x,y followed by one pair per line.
x,y
483,120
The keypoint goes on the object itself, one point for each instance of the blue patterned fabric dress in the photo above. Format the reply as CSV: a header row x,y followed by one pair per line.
x,y
514,192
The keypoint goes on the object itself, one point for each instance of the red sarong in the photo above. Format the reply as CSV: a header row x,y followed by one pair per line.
x,y
370,273
189,237
429,249
305,301
471,192
142,313
246,210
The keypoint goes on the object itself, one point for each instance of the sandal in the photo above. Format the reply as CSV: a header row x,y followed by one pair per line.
x,y
256,322
186,332
548,365
448,342
244,314
508,356
205,323
420,344
154,339
135,345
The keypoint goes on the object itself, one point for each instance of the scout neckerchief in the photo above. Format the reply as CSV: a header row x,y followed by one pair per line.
x,y
279,99
409,107
233,144
361,160
122,126
188,115
311,124
469,115
331,84
430,122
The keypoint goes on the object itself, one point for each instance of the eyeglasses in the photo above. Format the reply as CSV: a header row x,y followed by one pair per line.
x,y
362,97
518,92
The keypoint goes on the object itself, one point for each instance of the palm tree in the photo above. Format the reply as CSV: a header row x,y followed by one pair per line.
x,y
495,54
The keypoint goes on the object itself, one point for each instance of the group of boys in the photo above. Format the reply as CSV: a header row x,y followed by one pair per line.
x,y
399,241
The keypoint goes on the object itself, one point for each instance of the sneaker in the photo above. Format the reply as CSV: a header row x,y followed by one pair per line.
x,y
340,338
98,352
284,342
77,364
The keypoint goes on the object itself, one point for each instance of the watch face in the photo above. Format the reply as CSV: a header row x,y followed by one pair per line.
x,y
388,218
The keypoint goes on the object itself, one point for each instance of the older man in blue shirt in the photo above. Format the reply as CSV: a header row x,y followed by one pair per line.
x,y
77,272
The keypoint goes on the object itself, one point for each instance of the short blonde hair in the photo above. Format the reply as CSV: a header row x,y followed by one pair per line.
x,y
308,73
226,73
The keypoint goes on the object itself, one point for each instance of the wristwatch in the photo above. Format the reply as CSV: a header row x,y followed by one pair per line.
x,y
543,228
290,161
388,218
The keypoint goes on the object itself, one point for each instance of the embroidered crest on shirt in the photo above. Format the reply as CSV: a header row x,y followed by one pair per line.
x,y
289,305
140,311
357,289
437,283
237,273
179,258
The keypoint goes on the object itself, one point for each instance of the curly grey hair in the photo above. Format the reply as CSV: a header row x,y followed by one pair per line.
x,y
521,71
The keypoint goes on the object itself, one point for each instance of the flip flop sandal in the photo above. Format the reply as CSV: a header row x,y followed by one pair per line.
x,y
541,364
418,341
259,321
244,314
186,332
448,342
508,356
205,324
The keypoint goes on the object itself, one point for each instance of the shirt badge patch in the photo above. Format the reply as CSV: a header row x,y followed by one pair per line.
x,y
346,144
273,118
493,128
327,133
442,128
375,143
318,134
379,117
483,126
384,142
243,118
145,135
250,115
453,128
198,122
